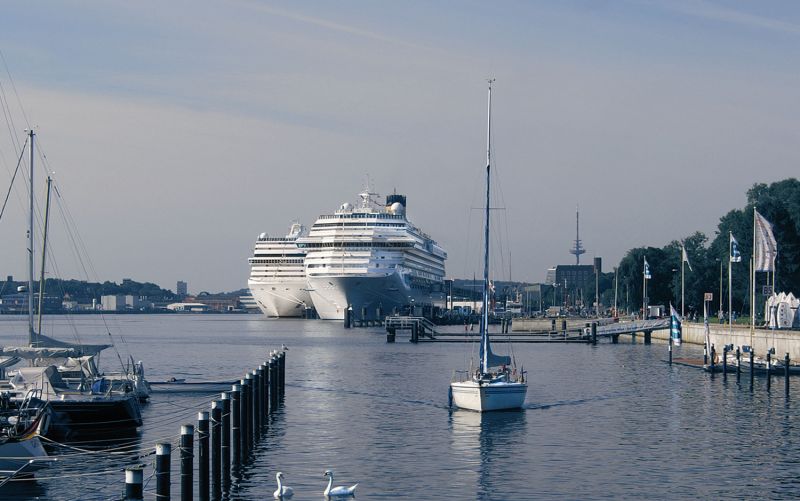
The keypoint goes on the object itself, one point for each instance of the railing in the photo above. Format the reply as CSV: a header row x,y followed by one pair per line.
x,y
422,324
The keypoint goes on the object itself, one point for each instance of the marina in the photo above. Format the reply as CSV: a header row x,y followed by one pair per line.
x,y
352,406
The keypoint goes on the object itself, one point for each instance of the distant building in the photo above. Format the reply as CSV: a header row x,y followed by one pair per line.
x,y
188,307
18,303
181,289
115,302
216,302
575,282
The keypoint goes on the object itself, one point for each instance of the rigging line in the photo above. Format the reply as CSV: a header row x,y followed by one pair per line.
x,y
9,117
14,87
11,185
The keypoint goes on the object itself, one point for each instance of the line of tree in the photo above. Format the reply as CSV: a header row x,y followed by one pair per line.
x,y
84,292
778,202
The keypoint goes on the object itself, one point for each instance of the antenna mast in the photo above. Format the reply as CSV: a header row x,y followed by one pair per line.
x,y
578,249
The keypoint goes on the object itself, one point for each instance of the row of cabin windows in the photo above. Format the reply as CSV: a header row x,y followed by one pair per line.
x,y
357,224
275,261
350,245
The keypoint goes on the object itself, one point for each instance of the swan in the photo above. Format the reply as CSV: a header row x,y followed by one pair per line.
x,y
283,492
339,490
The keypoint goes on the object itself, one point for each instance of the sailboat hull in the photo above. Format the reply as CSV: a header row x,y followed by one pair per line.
x,y
15,453
483,397
78,418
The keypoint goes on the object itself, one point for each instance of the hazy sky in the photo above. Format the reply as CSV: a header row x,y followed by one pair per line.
x,y
178,131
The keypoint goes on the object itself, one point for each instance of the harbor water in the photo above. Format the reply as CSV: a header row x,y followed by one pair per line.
x,y
602,422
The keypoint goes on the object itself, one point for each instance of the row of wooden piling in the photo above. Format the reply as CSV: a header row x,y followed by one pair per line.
x,y
226,435
729,347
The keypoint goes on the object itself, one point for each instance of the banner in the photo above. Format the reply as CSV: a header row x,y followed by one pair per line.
x,y
685,257
675,326
647,270
766,248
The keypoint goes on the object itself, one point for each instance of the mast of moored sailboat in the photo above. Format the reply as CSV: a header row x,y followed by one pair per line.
x,y
31,333
44,255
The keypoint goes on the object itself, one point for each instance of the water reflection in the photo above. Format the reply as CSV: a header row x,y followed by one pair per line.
x,y
487,442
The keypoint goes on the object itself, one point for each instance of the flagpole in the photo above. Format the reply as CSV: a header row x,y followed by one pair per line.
x,y
753,274
683,253
644,287
720,285
730,291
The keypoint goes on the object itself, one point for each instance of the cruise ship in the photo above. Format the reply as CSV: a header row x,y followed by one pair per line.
x,y
277,275
372,259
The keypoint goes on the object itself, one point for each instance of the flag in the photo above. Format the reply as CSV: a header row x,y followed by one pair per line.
x,y
685,258
736,256
766,248
647,270
674,326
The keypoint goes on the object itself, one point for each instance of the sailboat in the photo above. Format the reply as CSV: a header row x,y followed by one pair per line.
x,y
496,384
92,407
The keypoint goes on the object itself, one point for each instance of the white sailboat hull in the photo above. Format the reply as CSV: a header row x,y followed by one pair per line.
x,y
15,453
482,396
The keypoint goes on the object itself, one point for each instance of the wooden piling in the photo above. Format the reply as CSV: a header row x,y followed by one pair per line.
x,y
738,363
282,374
786,374
244,418
203,485
134,483
251,431
236,426
769,370
752,369
225,441
187,462
725,362
273,383
216,449
163,461
594,333
713,357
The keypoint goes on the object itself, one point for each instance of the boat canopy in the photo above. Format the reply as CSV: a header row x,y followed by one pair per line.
x,y
47,347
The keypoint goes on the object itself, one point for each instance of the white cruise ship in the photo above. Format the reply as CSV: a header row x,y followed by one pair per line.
x,y
277,276
371,258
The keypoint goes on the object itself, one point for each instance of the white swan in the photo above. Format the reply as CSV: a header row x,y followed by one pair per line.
x,y
283,492
337,491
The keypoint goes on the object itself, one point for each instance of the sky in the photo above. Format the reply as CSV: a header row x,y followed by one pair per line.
x,y
178,131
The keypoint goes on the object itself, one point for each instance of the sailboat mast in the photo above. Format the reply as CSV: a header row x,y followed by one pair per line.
x,y
44,256
485,310
31,333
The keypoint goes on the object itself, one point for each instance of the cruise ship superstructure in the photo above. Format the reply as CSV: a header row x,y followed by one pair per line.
x,y
277,275
371,258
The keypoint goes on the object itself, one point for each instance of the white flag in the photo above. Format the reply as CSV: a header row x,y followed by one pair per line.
x,y
685,257
766,248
